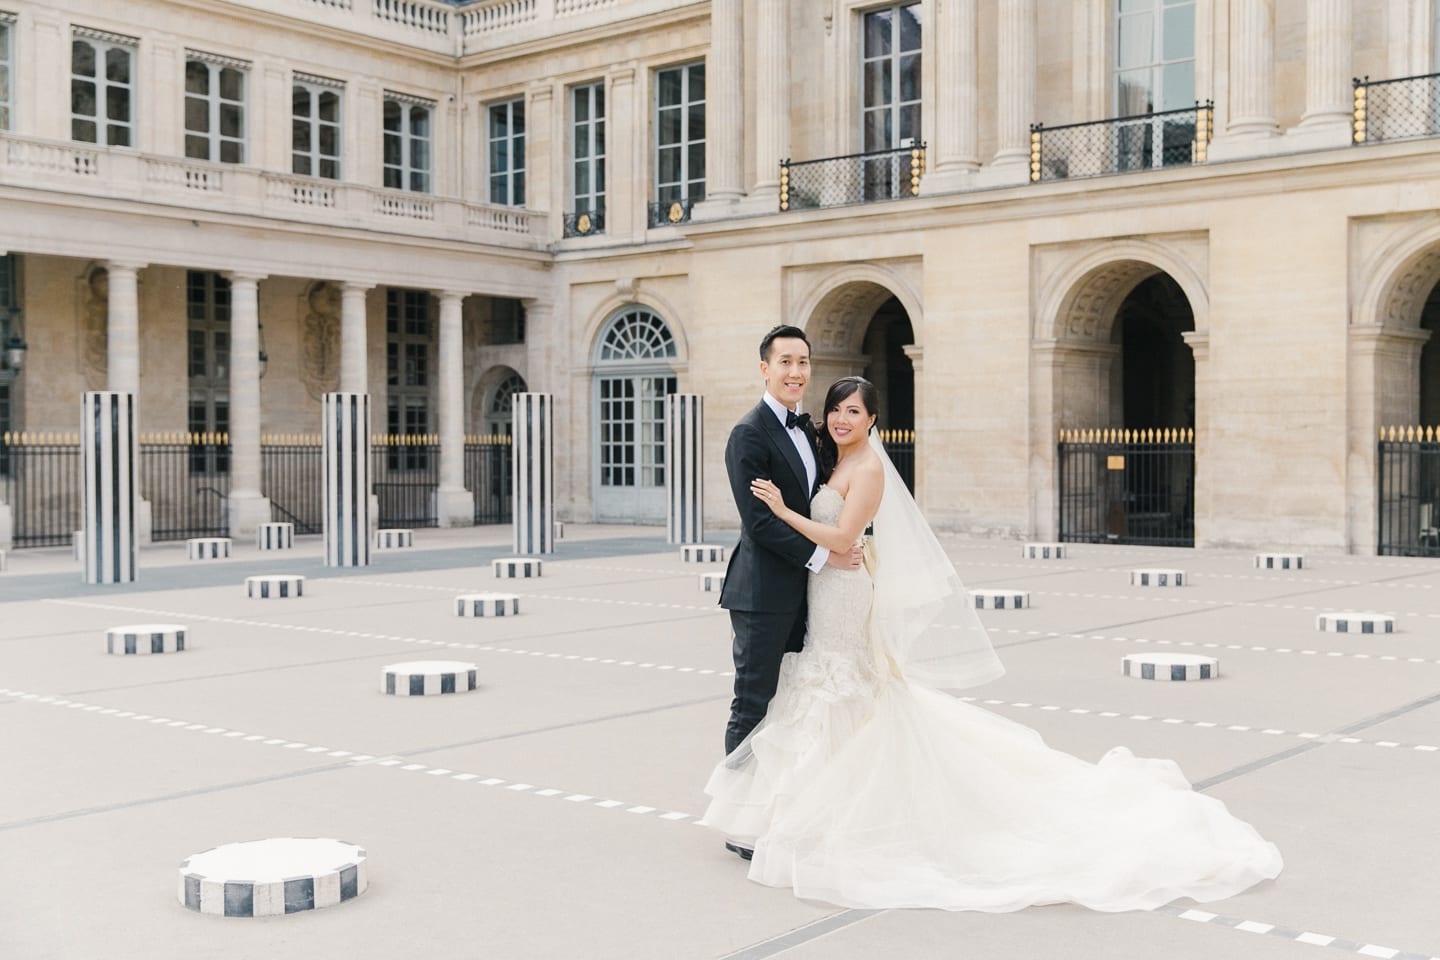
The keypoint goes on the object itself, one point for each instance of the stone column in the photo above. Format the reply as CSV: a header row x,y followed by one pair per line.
x,y
354,355
625,191
533,470
1199,343
1252,69
772,96
248,508
454,505
345,429
956,143
916,355
1015,105
724,112
541,156
123,364
108,485
685,468
1329,95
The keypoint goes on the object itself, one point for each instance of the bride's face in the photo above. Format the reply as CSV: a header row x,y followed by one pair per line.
x,y
849,421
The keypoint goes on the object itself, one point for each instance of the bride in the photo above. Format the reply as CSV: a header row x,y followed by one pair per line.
x,y
866,787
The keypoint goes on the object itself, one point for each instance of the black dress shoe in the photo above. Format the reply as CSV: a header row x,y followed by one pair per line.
x,y
744,853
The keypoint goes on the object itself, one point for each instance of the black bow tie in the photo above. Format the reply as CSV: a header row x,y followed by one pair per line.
x,y
801,420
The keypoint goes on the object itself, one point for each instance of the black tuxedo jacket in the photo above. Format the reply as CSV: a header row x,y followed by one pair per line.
x,y
767,570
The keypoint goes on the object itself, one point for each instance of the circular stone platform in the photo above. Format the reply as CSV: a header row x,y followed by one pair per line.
x,y
1169,666
207,548
423,678
1355,623
146,638
701,553
487,605
1157,578
275,586
1000,599
269,878
710,582
513,567
394,539
1279,561
279,535
1043,551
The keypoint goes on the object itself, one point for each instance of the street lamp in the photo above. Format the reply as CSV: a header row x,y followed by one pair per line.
x,y
14,353
264,357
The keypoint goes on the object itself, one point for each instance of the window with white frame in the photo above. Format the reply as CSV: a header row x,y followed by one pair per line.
x,y
890,77
408,133
680,134
587,134
207,309
1154,56
102,88
7,24
315,124
408,339
214,108
633,364
506,140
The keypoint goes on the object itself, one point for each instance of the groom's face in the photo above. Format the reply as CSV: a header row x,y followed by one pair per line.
x,y
787,370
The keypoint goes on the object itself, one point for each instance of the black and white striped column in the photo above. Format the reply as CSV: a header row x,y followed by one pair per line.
x,y
534,473
684,468
107,430
346,438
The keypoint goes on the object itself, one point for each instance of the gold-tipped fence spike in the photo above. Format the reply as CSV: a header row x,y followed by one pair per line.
x,y
1409,434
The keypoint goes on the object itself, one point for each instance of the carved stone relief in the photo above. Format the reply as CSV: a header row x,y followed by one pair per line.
x,y
93,302
320,339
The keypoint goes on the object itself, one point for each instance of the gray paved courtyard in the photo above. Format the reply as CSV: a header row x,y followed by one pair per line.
x,y
551,813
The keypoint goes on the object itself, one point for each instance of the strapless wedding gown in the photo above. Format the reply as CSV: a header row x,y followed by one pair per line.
x,y
866,791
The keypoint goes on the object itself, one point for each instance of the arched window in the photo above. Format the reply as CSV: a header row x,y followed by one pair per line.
x,y
500,414
636,334
634,361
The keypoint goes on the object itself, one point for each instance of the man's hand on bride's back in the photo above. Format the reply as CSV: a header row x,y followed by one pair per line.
x,y
850,560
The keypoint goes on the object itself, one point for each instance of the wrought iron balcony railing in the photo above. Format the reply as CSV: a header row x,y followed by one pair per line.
x,y
667,213
857,178
1405,108
1100,148
584,223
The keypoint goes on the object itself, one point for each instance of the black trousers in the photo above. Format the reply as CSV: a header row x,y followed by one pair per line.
x,y
761,641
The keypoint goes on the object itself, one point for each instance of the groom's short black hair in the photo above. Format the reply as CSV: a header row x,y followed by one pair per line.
x,y
784,330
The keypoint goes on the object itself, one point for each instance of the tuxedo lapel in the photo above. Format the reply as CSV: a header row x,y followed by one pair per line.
x,y
780,438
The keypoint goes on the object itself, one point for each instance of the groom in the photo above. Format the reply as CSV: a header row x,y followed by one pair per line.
x,y
766,579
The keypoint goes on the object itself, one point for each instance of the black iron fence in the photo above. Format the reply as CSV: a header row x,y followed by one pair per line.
x,y
488,465
855,178
900,446
1100,148
1408,473
1404,108
186,478
40,479
584,223
292,475
666,213
1127,486
405,477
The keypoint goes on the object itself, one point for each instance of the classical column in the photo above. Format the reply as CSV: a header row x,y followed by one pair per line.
x,y
354,356
533,474
955,145
724,111
107,451
248,508
685,463
454,505
772,97
1329,95
123,363
345,429
1015,104
625,187
1252,69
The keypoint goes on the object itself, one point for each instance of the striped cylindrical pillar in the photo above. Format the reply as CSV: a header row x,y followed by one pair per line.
x,y
346,431
684,468
107,429
534,473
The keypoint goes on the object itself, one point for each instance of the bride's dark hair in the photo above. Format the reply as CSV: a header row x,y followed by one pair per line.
x,y
840,391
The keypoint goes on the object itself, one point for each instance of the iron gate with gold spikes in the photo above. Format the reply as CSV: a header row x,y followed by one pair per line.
x,y
1127,486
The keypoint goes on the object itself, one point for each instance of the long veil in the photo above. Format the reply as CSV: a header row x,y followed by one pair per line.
x,y
921,615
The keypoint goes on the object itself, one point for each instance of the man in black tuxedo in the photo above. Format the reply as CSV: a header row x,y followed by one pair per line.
x,y
766,579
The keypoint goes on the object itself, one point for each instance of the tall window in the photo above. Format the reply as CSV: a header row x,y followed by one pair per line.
x,y
9,323
890,77
7,21
407,373
315,128
638,348
506,139
1155,56
214,108
407,143
507,321
680,134
207,310
588,137
102,89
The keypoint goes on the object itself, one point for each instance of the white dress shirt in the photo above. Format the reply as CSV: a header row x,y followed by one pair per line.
x,y
807,457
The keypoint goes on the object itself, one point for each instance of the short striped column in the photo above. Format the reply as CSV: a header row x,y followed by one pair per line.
x,y
1157,578
2,561
1279,561
145,638
77,545
487,605
1355,623
394,539
712,582
207,548
684,468
534,473
1169,666
1043,551
701,553
559,530
425,678
1000,599
272,878
279,535
107,445
517,567
346,439
275,586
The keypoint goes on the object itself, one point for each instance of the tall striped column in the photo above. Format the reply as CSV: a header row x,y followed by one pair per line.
x,y
107,446
346,438
534,473
684,468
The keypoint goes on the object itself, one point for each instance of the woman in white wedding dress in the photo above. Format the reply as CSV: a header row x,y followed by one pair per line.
x,y
866,787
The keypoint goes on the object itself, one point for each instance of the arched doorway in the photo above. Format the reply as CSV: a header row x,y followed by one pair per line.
x,y
634,370
500,405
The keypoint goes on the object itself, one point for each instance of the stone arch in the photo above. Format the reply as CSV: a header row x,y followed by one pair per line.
x,y
483,392
1079,301
628,296
835,312
1398,280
